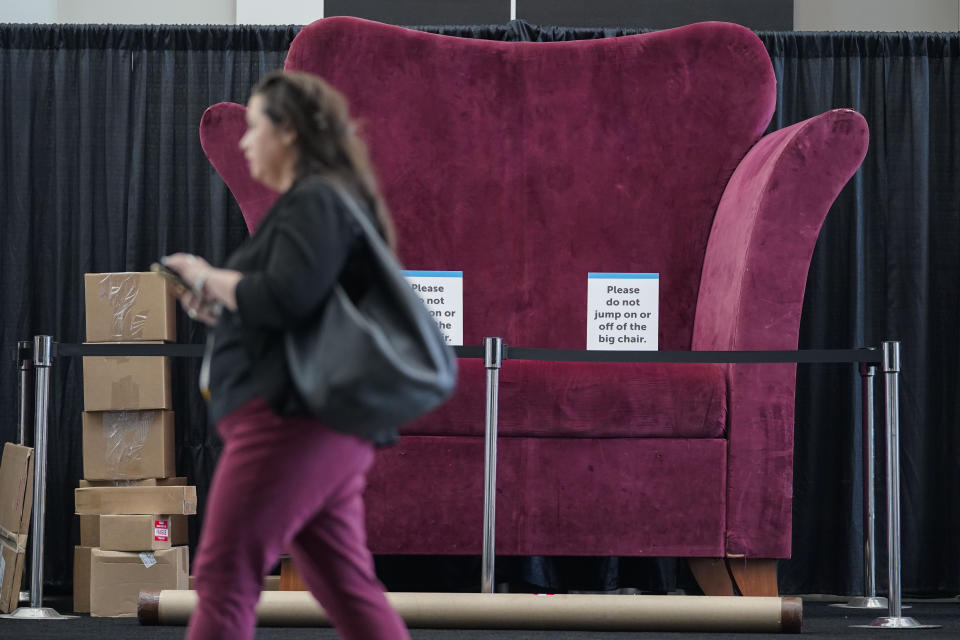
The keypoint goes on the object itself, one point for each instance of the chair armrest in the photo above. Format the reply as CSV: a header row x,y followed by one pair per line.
x,y
221,128
751,296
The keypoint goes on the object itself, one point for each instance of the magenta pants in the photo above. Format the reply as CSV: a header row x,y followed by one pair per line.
x,y
287,484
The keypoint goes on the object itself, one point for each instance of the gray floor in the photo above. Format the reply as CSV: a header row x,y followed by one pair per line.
x,y
820,621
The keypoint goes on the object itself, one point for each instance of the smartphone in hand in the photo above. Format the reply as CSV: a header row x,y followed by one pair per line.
x,y
171,276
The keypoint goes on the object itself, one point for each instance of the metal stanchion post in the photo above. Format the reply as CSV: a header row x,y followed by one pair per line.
x,y
870,600
891,404
492,359
25,383
25,370
42,361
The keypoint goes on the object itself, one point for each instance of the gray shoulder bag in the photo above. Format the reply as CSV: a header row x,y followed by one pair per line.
x,y
361,368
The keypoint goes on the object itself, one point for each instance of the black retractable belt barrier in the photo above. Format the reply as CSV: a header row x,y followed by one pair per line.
x,y
806,356
823,356
174,350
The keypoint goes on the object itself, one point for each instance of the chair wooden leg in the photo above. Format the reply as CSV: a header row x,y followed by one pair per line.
x,y
755,576
289,578
712,576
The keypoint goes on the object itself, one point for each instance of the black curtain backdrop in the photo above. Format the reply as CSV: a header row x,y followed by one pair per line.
x,y
101,170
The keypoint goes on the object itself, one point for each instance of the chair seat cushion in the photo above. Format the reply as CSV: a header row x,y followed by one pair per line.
x,y
587,400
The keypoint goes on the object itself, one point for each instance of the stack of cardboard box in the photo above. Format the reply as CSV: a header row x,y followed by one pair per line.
x,y
133,510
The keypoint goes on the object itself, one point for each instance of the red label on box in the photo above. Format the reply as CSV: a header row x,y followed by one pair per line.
x,y
161,530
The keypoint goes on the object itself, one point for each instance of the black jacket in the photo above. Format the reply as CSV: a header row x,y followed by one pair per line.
x,y
306,243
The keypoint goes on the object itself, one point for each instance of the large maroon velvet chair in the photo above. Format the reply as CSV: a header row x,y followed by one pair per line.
x,y
528,165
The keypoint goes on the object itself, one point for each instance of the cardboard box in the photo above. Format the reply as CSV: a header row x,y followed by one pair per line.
x,y
16,492
129,307
142,482
114,383
135,500
81,579
142,532
90,531
128,444
11,575
118,577
16,501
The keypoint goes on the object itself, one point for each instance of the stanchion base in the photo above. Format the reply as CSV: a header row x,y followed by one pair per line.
x,y
36,613
895,623
866,602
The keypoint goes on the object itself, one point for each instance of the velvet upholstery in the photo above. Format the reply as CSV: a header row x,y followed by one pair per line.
x,y
751,296
592,400
228,121
555,496
527,165
482,146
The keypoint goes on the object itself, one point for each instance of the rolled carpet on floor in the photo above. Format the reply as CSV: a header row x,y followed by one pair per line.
x,y
518,611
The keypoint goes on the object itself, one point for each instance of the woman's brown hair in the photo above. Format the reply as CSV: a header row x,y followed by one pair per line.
x,y
327,139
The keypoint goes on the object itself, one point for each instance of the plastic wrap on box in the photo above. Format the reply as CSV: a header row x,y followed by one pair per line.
x,y
120,291
129,307
126,433
123,447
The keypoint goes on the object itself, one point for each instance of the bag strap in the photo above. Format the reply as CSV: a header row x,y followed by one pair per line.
x,y
385,258
362,218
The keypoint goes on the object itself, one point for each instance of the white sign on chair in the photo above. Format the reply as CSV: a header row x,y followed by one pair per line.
x,y
623,311
442,292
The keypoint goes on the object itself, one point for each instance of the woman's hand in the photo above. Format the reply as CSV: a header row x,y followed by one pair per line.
x,y
199,309
211,287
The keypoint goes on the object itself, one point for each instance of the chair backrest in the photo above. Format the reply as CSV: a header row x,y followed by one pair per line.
x,y
528,165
